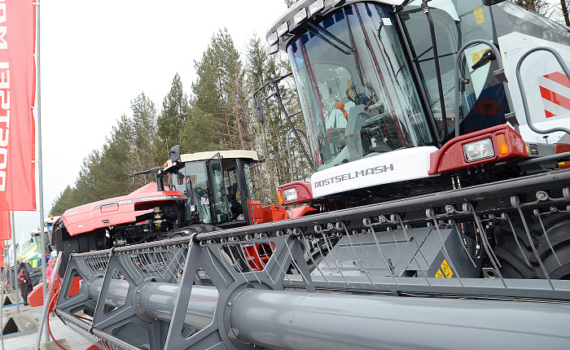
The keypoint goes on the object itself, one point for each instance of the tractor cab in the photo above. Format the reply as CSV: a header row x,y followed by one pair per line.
x,y
367,80
218,186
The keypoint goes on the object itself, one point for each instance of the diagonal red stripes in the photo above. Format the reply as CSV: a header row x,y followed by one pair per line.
x,y
553,97
560,78
549,114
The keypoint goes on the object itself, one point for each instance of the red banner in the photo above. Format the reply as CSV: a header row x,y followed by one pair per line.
x,y
5,228
17,94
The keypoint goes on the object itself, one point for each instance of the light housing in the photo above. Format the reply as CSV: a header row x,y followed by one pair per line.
x,y
272,38
478,150
290,195
502,144
472,149
316,7
283,29
300,16
294,193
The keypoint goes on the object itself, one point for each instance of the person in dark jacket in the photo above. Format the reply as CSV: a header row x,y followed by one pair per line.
x,y
25,285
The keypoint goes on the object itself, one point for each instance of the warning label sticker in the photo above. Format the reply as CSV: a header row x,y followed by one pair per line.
x,y
479,16
446,269
447,272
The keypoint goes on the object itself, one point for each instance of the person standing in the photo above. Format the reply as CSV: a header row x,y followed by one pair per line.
x,y
49,270
24,282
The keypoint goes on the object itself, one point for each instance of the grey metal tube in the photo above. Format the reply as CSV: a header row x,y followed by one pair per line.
x,y
157,300
297,320
293,320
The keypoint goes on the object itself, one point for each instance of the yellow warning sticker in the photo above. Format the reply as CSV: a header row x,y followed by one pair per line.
x,y
476,56
439,274
446,269
479,16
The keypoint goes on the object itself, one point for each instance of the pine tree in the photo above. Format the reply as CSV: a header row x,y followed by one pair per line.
x,y
143,126
220,91
62,202
173,116
198,134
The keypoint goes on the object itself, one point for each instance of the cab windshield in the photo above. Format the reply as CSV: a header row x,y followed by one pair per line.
x,y
193,177
355,87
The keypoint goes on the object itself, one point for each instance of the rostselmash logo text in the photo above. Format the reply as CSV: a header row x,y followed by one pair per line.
x,y
354,175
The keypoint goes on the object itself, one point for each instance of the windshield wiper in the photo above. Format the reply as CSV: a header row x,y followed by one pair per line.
x,y
349,50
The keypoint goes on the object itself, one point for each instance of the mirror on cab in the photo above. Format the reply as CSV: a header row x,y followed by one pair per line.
x,y
174,154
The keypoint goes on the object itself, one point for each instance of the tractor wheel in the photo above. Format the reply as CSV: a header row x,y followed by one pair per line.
x,y
523,263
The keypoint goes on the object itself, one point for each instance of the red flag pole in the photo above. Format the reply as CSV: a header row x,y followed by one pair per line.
x,y
15,285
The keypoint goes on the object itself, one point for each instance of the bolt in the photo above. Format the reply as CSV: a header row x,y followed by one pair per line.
x,y
553,209
450,209
541,196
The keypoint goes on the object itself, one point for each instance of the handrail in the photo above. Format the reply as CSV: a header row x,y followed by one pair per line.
x,y
499,71
523,93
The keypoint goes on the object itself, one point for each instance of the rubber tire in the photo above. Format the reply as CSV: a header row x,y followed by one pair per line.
x,y
557,227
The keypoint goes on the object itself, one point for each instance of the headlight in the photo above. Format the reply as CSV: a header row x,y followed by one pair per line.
x,y
283,28
272,38
316,7
478,150
290,195
300,16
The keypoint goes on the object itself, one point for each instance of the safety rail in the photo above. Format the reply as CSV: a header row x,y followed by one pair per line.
x,y
523,92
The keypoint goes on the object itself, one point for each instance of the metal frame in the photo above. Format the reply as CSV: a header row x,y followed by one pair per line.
x,y
214,258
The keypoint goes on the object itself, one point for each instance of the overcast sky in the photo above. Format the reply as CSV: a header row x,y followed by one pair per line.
x,y
98,56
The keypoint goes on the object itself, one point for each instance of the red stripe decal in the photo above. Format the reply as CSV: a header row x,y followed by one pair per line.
x,y
549,114
560,78
553,97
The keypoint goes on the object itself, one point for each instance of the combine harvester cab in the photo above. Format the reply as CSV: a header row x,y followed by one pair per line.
x,y
442,212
